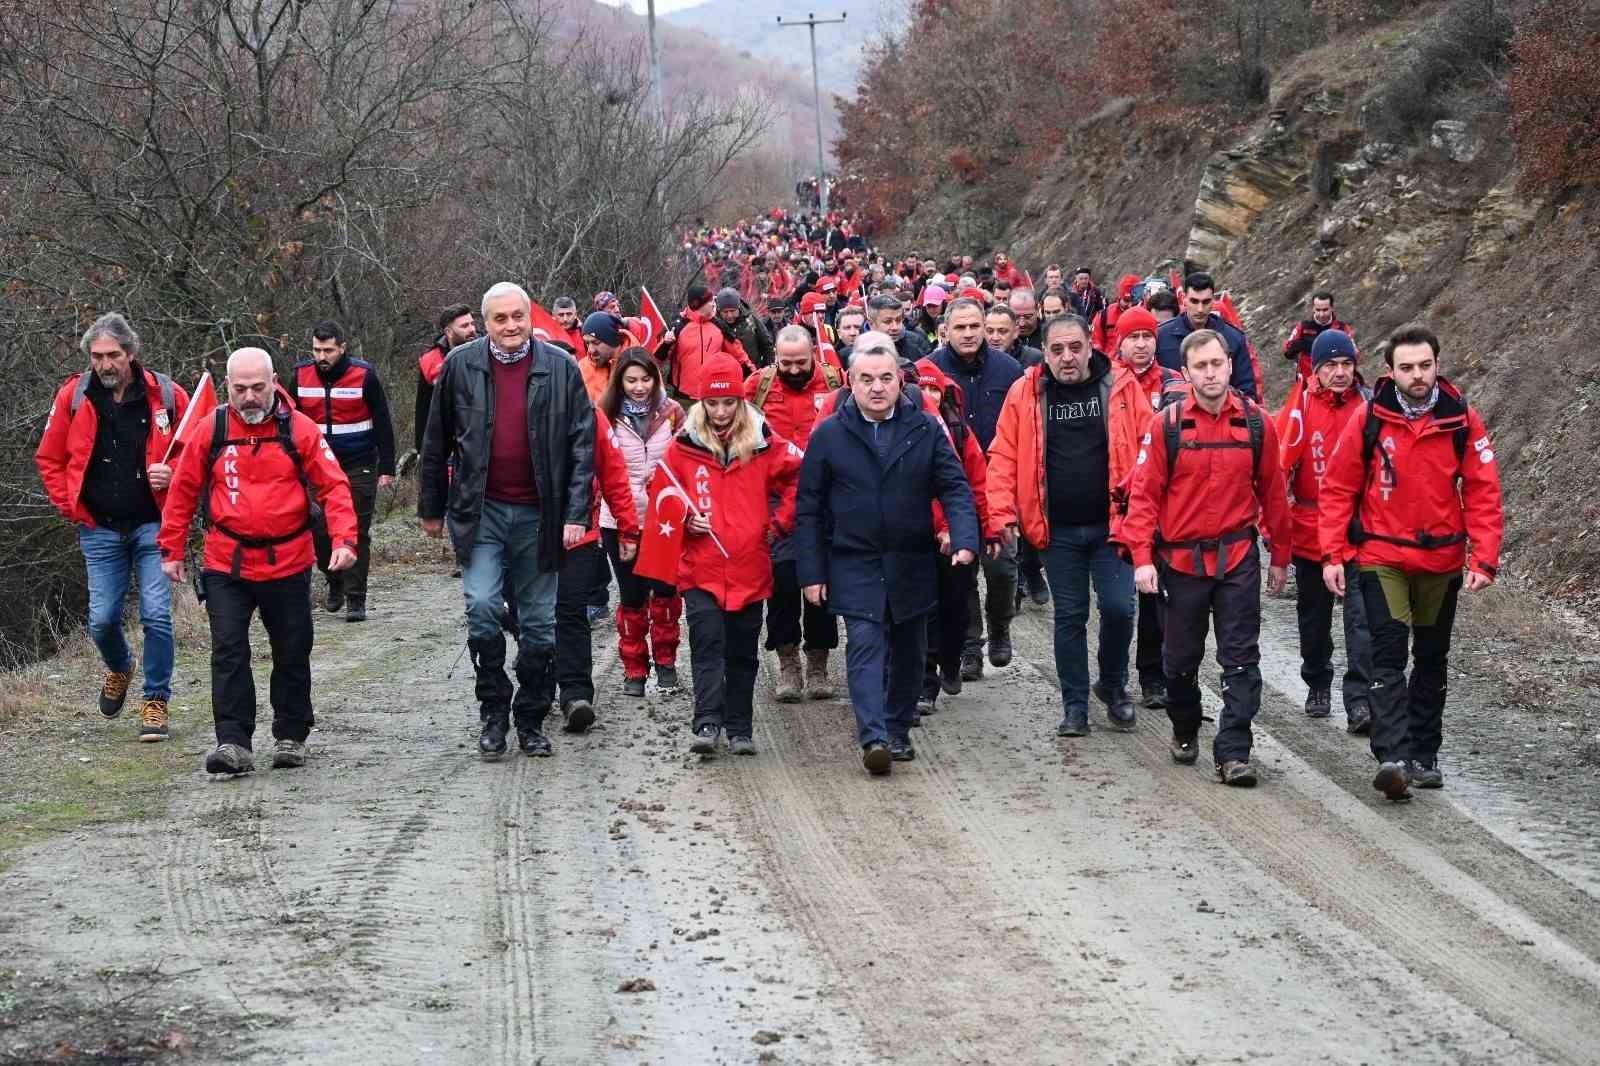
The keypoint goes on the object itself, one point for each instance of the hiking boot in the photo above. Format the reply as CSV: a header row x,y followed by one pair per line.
x,y
1358,719
533,743
230,759
596,616
1038,590
666,678
1000,644
1074,724
634,686
950,680
287,754
791,686
1392,781
928,704
1119,708
971,666
818,687
1185,752
705,739
153,721
1237,773
1153,694
876,758
1319,703
355,609
1425,776
334,603
741,746
114,692
902,751
577,716
492,741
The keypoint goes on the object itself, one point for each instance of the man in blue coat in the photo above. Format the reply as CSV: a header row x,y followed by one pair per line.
x,y
985,375
864,540
1199,292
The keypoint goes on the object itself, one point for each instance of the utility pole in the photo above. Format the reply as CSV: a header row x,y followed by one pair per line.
x,y
811,22
655,74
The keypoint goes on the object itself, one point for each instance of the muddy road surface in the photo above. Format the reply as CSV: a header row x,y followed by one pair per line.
x,y
1008,898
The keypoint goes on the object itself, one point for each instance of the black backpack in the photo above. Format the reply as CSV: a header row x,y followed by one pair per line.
x,y
1371,430
169,397
283,415
1173,425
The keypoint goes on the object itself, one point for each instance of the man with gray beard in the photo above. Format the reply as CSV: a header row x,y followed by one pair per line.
x,y
259,472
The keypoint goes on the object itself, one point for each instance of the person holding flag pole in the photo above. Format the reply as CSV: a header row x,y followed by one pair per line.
x,y
709,529
104,459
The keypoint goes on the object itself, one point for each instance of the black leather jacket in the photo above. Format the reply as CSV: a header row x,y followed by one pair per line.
x,y
461,424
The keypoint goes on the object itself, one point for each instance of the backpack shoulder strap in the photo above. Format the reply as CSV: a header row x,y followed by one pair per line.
x,y
1256,425
219,440
764,385
1172,431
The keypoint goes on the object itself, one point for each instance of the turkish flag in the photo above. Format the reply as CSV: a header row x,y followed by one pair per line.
x,y
1229,313
661,545
202,401
825,346
543,324
1290,421
650,315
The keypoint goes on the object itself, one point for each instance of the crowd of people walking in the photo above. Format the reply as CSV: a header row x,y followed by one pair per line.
x,y
917,447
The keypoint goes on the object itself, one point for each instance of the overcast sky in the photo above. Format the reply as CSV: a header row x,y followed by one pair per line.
x,y
662,6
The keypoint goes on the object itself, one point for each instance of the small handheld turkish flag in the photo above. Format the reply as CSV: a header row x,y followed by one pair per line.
x,y
543,324
825,349
655,327
661,544
201,403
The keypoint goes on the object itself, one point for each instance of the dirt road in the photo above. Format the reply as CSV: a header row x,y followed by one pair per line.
x,y
1007,898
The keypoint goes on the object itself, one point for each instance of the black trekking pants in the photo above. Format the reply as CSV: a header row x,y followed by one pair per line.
x,y
1147,649
723,656
1418,610
1232,603
1314,611
791,620
947,624
285,606
364,495
574,638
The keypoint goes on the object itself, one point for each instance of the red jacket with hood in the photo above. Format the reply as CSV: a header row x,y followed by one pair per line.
x,y
255,491
1212,491
1415,489
698,339
736,498
612,486
1310,432
68,443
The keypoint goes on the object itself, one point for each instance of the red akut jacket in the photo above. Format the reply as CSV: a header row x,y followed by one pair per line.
x,y
611,485
1154,380
1313,430
1415,490
977,469
1213,493
736,497
256,493
792,414
698,339
68,443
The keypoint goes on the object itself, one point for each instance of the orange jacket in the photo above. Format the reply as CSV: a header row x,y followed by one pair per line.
x,y
1016,455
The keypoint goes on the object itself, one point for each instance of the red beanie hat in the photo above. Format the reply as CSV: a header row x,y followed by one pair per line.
x,y
1134,320
930,376
1125,287
720,377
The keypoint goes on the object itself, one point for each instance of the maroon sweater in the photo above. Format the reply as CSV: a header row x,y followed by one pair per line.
x,y
510,454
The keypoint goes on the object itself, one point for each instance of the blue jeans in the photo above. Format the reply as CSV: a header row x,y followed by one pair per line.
x,y
883,666
507,548
1077,555
111,559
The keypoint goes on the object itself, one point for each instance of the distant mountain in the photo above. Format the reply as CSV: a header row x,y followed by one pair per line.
x,y
751,26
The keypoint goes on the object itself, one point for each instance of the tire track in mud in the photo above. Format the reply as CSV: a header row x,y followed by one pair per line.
x,y
1357,869
902,893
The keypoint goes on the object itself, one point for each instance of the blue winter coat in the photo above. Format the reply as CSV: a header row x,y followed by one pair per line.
x,y
984,382
1169,343
864,525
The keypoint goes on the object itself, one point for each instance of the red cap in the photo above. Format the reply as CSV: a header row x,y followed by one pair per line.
x,y
1134,320
1125,286
720,376
951,281
828,283
975,294
811,302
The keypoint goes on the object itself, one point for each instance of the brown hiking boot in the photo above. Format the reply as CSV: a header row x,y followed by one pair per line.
x,y
153,721
114,692
790,685
818,687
